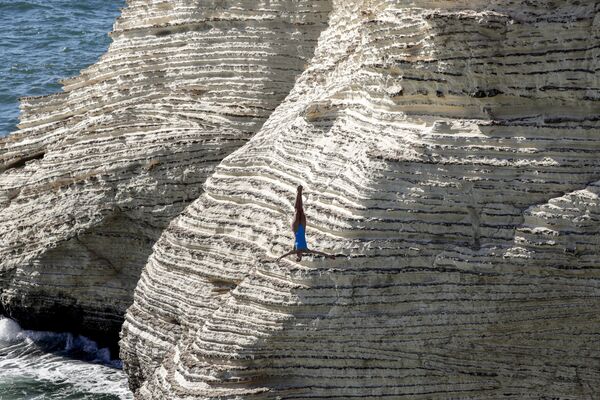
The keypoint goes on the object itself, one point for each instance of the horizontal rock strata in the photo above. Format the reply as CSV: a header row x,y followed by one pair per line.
x,y
96,173
450,155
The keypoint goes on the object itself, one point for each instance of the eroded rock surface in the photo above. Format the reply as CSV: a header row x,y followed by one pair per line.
x,y
451,157
96,173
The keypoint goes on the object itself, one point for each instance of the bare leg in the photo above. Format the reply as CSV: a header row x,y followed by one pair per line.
x,y
298,205
320,253
299,218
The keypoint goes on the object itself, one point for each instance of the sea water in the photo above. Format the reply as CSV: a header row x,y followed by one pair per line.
x,y
43,41
49,365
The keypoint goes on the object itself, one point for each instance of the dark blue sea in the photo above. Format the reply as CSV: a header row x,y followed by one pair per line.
x,y
43,41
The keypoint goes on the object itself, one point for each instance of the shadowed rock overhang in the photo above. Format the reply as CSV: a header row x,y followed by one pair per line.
x,y
450,156
96,172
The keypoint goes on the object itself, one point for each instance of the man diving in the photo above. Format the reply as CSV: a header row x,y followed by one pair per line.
x,y
299,228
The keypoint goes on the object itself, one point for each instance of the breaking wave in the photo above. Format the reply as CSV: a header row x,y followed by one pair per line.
x,y
49,365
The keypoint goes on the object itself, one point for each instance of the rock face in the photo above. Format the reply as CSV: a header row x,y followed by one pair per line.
x,y
96,173
450,153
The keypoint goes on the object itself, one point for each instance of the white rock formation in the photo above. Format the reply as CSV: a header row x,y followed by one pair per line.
x,y
97,172
449,151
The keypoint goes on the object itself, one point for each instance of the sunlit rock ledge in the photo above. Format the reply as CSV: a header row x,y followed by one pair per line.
x,y
451,157
95,173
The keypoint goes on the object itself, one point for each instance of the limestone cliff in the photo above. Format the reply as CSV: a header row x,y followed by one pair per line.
x,y
450,152
96,173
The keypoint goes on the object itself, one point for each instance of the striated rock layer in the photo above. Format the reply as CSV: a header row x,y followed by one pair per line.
x,y
96,173
450,152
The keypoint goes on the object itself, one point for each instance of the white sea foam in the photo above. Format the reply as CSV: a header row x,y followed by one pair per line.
x,y
43,356
9,330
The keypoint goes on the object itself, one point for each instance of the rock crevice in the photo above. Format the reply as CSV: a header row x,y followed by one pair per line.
x,y
436,141
96,172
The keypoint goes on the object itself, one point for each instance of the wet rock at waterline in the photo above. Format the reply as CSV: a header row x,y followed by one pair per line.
x,y
450,155
96,173
450,158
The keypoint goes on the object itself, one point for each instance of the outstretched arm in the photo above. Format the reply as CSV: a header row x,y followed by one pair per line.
x,y
289,253
320,253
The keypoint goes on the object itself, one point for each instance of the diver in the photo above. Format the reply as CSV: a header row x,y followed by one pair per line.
x,y
299,228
